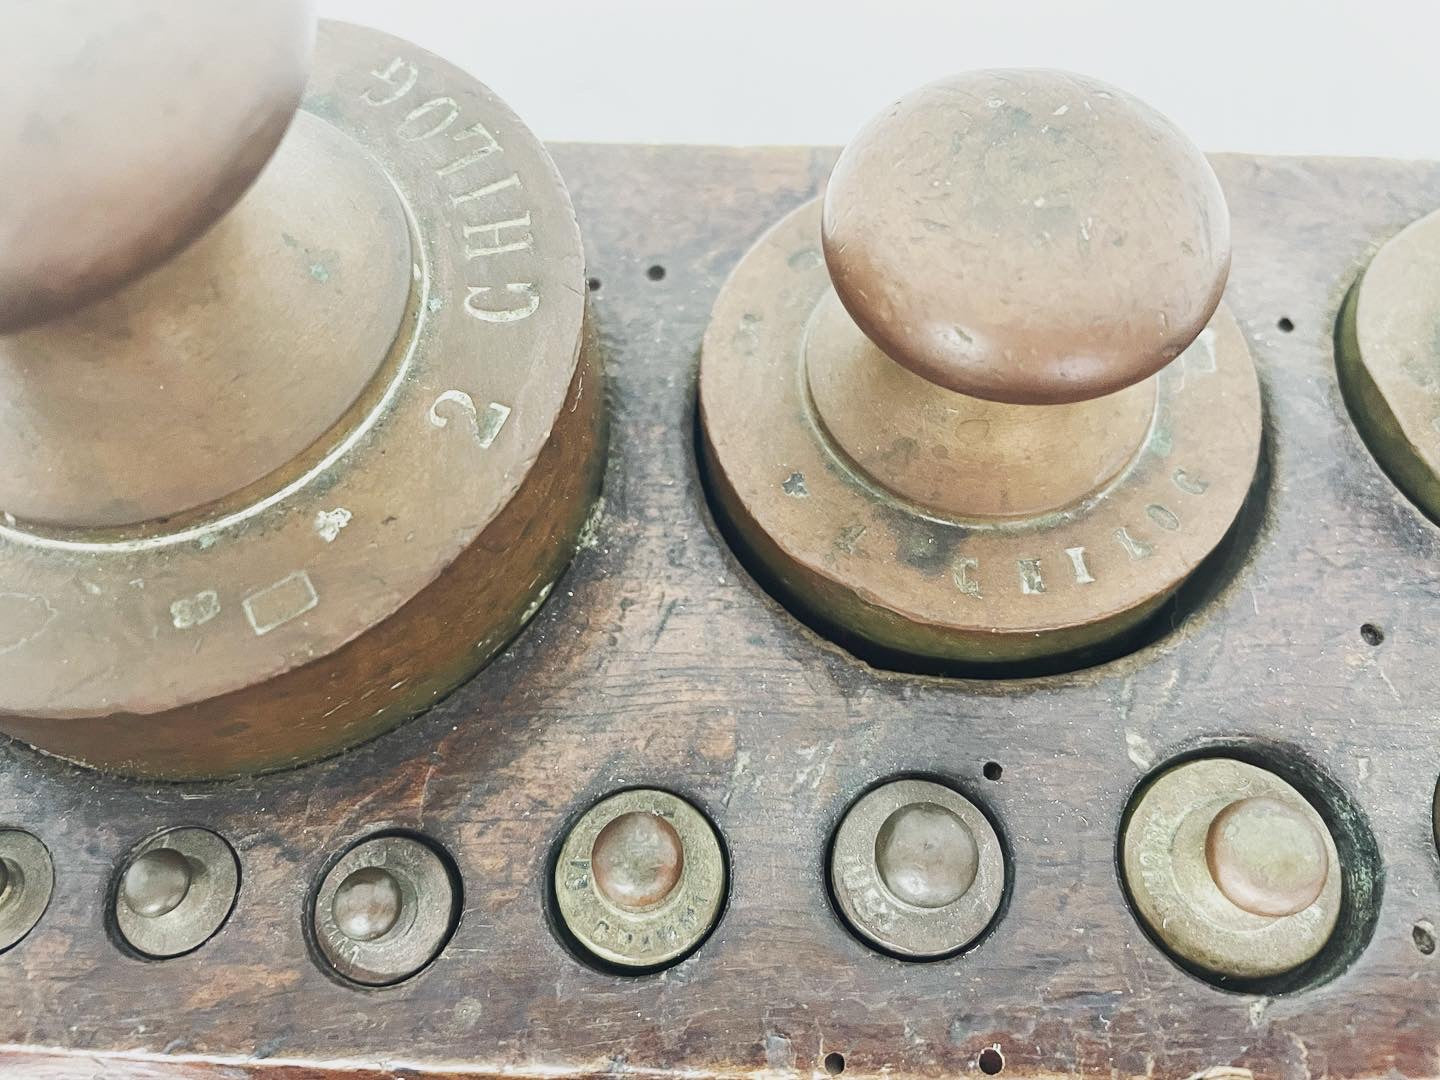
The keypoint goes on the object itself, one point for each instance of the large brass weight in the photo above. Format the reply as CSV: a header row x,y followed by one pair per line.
x,y
297,408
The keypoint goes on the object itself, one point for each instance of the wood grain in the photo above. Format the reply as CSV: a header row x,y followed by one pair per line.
x,y
658,661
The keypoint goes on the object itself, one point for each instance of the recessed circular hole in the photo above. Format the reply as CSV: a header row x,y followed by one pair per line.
x,y
1423,934
593,284
991,1060
1372,634
656,273
834,1063
1286,324
993,770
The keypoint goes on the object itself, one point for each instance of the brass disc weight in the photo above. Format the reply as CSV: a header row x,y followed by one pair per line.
x,y
328,592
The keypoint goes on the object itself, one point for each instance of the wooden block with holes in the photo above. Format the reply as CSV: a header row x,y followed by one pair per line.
x,y
1307,647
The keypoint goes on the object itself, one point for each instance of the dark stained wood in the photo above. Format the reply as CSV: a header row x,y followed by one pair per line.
x,y
658,661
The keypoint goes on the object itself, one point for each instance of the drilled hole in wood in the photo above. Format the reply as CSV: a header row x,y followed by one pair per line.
x,y
1423,934
993,770
991,1060
834,1064
656,273
1286,325
1372,634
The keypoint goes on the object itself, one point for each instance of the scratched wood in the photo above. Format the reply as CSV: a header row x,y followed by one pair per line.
x,y
658,661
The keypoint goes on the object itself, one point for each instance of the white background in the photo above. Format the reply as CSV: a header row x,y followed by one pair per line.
x,y
1266,76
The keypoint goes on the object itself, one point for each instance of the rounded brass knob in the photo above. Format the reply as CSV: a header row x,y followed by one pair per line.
x,y
367,904
127,129
637,860
1266,856
157,882
1026,236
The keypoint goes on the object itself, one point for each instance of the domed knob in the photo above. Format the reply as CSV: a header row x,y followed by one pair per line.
x,y
1026,236
127,129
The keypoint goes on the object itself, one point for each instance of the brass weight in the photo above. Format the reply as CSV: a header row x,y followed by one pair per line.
x,y
980,404
1388,342
1232,869
314,468
640,880
175,891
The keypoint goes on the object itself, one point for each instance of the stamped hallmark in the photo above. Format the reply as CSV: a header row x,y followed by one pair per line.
x,y
191,611
275,605
1077,563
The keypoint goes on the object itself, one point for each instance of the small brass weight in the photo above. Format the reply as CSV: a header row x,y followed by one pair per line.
x,y
981,404
299,417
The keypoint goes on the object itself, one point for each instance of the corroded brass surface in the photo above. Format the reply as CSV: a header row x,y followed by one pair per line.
x,y
1231,868
385,910
1027,236
917,869
1027,520
1388,344
625,892
401,515
175,891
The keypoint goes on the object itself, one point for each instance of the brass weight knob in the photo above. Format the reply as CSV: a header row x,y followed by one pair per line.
x,y
1001,415
128,129
298,414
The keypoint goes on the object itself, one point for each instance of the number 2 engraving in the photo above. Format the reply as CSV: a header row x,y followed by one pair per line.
x,y
485,429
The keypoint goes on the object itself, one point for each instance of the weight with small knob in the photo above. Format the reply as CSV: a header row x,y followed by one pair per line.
x,y
175,891
980,404
300,430
385,909
1232,869
640,880
916,869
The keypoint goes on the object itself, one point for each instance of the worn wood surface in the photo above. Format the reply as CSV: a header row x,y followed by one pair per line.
x,y
658,661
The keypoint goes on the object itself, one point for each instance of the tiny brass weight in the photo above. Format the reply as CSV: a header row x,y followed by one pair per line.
x,y
916,869
640,879
1232,869
980,404
300,409
27,879
175,891
385,910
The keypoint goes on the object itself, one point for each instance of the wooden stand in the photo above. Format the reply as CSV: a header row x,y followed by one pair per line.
x,y
658,661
